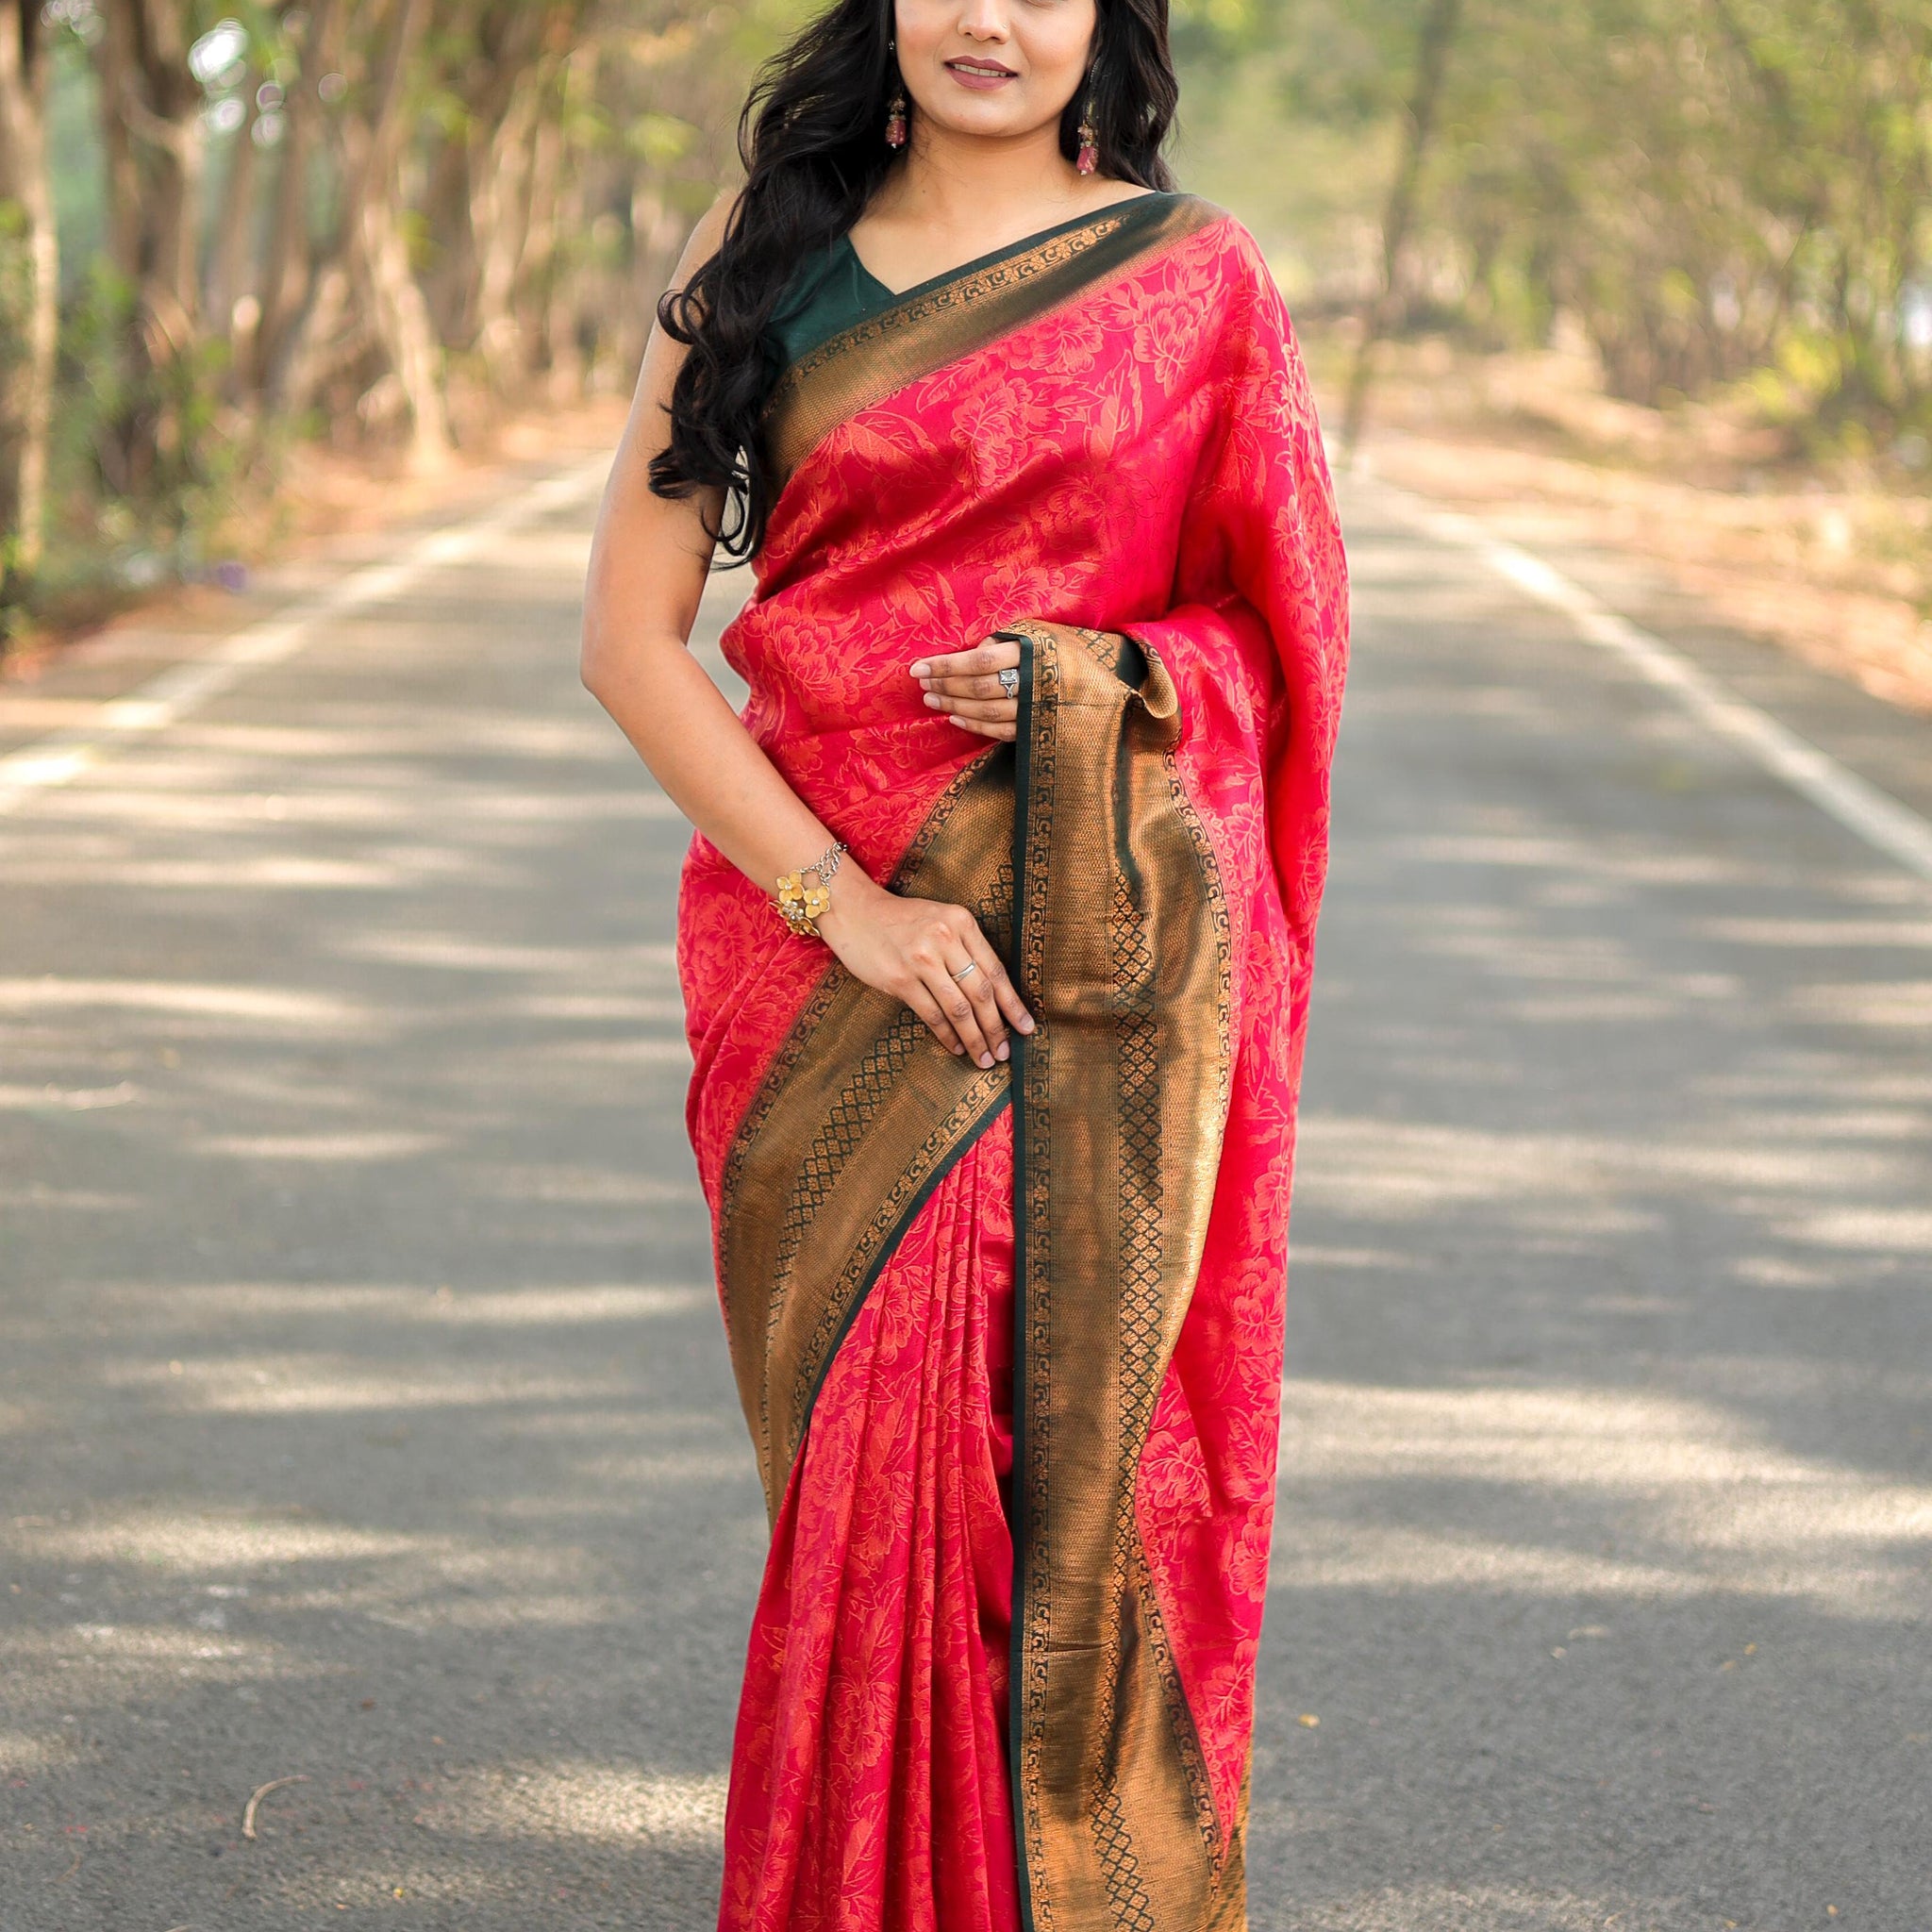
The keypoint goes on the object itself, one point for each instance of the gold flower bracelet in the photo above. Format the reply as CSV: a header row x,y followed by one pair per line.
x,y
800,905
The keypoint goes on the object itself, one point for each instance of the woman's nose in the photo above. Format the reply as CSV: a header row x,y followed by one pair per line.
x,y
984,20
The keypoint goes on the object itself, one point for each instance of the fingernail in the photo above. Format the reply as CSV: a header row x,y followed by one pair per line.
x,y
920,668
1002,1051
932,698
1024,1024
986,1059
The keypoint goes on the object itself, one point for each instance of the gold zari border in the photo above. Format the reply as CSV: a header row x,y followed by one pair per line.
x,y
1122,951
1081,844
873,359
858,1118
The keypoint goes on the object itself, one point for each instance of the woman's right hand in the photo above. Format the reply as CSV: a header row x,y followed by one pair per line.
x,y
915,949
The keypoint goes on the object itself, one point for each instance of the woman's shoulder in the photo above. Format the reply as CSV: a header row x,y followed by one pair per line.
x,y
1230,266
1225,286
1224,239
708,234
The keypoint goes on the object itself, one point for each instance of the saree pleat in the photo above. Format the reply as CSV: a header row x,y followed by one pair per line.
x,y
871,1723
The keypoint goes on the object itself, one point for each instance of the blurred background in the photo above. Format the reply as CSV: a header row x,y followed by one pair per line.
x,y
1680,243
379,1530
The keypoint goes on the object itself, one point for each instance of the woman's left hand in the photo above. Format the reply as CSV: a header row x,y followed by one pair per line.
x,y
966,686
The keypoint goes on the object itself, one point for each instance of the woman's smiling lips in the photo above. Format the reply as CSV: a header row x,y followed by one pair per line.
x,y
982,75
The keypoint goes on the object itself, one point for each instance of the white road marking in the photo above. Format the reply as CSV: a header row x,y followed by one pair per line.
x,y
1881,821
65,755
1877,818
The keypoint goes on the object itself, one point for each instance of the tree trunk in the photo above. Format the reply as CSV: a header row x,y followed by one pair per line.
x,y
563,353
146,88
286,271
499,213
407,336
27,375
231,262
150,108
401,315
1432,64
532,280
112,62
446,215
370,250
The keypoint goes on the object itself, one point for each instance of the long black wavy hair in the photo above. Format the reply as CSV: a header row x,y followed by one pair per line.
x,y
812,141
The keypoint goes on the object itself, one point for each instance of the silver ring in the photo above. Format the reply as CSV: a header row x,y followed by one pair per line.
x,y
972,966
1009,681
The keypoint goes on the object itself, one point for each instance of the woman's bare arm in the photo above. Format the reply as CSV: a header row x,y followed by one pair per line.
x,y
648,564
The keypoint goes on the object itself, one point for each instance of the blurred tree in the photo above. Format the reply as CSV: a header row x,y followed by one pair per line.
x,y
1718,190
363,219
151,103
391,220
29,291
1435,41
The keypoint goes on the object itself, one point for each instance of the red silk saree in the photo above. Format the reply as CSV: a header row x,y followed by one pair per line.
x,y
1009,1342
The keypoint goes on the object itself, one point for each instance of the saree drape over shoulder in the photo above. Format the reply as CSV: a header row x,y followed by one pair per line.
x,y
1009,1342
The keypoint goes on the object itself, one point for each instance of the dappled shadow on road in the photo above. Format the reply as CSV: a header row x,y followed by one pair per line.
x,y
365,1411
1605,1549
365,1406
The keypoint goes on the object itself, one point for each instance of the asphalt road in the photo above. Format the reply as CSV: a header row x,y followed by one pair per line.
x,y
364,1411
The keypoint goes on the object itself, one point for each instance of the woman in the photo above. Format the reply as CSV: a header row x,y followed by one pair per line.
x,y
995,938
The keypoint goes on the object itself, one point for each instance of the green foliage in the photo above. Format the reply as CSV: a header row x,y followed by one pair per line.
x,y
144,465
1726,194
1712,186
16,298
16,283
662,140
80,191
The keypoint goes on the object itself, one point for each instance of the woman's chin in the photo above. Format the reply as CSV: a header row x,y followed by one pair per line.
x,y
982,117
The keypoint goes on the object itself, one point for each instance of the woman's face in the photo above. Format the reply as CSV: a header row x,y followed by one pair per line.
x,y
992,68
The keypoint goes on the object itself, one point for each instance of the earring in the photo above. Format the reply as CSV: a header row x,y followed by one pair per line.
x,y
1088,157
895,108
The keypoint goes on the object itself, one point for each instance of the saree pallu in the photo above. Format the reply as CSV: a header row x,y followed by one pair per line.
x,y
1009,1342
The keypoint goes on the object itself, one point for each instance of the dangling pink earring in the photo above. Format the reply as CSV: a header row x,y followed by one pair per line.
x,y
895,109
1088,157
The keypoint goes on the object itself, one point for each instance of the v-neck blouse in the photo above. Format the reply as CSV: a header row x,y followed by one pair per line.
x,y
832,289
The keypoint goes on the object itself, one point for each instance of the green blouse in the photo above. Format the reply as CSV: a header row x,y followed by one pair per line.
x,y
827,292
833,289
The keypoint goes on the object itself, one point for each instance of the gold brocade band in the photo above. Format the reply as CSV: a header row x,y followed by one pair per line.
x,y
1121,953
873,359
859,1118
1078,841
